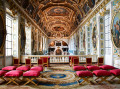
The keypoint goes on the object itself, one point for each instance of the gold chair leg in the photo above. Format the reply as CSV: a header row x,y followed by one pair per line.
x,y
79,79
96,78
33,82
30,80
84,80
14,81
9,81
36,79
118,77
27,81
87,80
18,79
113,78
104,79
3,79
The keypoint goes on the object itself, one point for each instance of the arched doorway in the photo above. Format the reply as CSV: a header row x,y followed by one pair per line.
x,y
58,52
58,48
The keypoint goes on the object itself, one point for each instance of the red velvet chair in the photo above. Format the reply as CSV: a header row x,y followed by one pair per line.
x,y
79,68
30,76
88,62
28,62
16,62
85,75
40,62
45,61
102,74
37,68
13,75
115,73
71,60
23,68
107,67
2,73
75,61
100,61
92,68
9,68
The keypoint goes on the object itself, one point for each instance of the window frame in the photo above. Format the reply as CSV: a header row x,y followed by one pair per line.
x,y
10,18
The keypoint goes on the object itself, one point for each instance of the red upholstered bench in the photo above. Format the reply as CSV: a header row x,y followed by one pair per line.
x,y
107,67
116,73
13,75
23,68
2,74
9,68
30,75
85,75
76,68
37,68
92,68
102,74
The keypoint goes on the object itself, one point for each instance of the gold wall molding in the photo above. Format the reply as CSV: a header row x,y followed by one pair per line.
x,y
113,16
103,11
88,24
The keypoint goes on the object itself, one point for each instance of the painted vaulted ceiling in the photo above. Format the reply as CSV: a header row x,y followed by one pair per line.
x,y
57,17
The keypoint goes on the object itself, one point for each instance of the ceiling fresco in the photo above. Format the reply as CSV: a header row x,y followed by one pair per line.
x,y
57,17
58,29
58,11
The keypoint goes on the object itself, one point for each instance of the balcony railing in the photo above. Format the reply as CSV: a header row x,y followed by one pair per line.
x,y
58,58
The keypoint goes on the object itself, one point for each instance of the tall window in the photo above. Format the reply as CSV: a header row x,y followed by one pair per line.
x,y
9,35
107,35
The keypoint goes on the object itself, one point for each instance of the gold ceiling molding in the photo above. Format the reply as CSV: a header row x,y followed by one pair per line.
x,y
94,11
58,38
88,24
103,11
14,6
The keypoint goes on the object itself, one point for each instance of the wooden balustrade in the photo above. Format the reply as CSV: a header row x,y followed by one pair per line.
x,y
57,58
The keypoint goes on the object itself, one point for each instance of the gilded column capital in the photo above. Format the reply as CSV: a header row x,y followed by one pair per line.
x,y
88,24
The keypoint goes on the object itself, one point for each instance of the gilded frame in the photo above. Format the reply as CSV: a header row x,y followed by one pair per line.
x,y
84,39
94,35
21,26
4,28
33,41
112,23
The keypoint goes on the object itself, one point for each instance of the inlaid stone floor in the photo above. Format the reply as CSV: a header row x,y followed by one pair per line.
x,y
60,76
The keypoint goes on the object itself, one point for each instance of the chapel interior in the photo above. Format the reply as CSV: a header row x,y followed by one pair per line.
x,y
59,44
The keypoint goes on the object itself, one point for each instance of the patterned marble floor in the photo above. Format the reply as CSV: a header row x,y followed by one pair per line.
x,y
60,76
